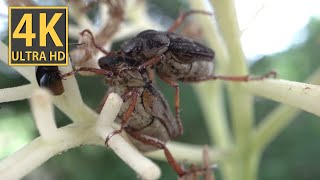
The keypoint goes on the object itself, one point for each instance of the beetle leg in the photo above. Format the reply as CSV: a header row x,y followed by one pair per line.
x,y
246,78
134,94
94,70
177,100
183,16
150,62
159,144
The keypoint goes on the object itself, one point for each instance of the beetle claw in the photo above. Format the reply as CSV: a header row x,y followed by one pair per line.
x,y
111,135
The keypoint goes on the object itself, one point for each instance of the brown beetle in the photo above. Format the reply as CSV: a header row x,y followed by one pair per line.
x,y
145,114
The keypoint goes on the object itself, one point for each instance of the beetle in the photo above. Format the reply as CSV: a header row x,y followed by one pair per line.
x,y
50,77
145,114
174,57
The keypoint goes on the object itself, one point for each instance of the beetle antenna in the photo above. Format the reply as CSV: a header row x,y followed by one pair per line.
x,y
94,43
75,44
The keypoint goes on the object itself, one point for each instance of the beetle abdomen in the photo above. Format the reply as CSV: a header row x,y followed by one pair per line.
x,y
173,69
187,50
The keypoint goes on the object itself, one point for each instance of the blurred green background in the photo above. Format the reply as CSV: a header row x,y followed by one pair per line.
x,y
294,155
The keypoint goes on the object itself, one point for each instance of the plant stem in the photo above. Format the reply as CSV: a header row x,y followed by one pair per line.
x,y
251,164
38,151
241,103
276,121
302,95
226,16
191,153
211,95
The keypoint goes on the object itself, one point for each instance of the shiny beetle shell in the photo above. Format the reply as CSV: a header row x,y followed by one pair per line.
x,y
49,77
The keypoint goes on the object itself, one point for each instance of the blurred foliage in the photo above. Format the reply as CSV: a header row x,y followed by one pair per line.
x,y
293,155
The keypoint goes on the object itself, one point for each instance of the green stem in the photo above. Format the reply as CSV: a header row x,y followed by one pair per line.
x,y
252,166
226,17
272,125
241,103
211,100
211,95
212,34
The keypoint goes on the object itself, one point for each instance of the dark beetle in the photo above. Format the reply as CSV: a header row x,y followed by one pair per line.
x,y
49,77
173,56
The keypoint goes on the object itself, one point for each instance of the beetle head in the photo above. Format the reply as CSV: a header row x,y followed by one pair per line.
x,y
110,63
114,62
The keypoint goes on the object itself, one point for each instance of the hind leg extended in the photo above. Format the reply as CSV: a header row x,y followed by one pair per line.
x,y
148,140
230,78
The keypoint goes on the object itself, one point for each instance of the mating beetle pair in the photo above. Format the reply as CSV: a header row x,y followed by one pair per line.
x,y
147,117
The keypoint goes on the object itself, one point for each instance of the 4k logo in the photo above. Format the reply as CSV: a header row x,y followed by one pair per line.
x,y
38,36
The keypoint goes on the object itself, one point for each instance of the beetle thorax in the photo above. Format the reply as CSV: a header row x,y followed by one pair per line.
x,y
146,45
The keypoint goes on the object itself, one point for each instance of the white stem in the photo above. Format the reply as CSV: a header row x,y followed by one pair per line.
x,y
70,102
277,120
71,88
39,151
302,95
190,153
109,111
132,157
16,93
104,16
143,166
27,72
42,108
